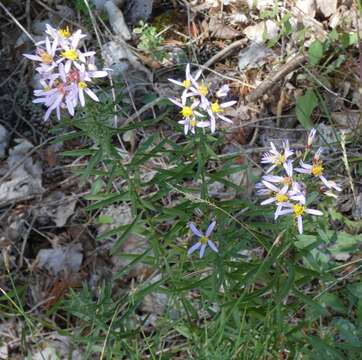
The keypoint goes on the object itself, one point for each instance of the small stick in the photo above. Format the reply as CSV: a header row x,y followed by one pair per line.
x,y
222,53
17,22
285,69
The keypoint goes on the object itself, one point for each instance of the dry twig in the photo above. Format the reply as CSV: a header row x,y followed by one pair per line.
x,y
285,69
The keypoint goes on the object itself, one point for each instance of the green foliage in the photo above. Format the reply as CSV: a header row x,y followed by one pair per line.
x,y
305,107
149,40
253,300
315,52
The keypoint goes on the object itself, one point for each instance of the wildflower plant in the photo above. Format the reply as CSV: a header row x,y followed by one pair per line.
x,y
66,71
252,279
289,187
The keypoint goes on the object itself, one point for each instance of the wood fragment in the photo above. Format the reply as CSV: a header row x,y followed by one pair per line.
x,y
284,70
222,53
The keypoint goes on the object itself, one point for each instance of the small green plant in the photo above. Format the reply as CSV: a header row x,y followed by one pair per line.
x,y
149,40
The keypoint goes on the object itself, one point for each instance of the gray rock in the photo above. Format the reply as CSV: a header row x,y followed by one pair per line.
x,y
253,56
139,10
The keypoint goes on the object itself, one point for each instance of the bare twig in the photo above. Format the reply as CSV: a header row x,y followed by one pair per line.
x,y
222,53
346,164
17,22
143,109
48,8
285,69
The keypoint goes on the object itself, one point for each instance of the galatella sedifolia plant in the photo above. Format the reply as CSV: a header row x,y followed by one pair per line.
x,y
66,72
288,187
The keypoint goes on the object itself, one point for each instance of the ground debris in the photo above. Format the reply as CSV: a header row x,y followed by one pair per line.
x,y
117,21
25,175
66,259
264,30
58,208
254,56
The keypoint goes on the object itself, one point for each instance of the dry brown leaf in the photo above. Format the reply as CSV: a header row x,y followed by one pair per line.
x,y
221,31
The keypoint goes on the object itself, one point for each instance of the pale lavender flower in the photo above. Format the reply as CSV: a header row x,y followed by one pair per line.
x,y
299,210
46,56
63,35
190,116
71,54
187,83
223,91
200,90
204,239
262,190
280,197
284,180
215,109
277,158
80,79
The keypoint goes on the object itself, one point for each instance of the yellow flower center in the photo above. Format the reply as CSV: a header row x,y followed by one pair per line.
x,y
280,198
186,83
317,169
215,107
187,111
46,58
46,88
280,160
64,33
193,123
82,84
298,210
70,54
204,240
203,90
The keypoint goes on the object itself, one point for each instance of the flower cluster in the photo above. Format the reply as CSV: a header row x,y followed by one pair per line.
x,y
200,108
287,187
66,72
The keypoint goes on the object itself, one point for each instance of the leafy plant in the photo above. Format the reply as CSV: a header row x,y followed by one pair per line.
x,y
149,40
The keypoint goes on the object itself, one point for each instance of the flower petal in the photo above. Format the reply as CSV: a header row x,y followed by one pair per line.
x,y
195,230
213,247
268,201
193,248
314,212
210,229
202,250
300,224
228,104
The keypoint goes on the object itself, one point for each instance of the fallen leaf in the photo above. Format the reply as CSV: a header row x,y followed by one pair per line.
x,y
66,258
327,7
307,7
254,56
221,31
265,30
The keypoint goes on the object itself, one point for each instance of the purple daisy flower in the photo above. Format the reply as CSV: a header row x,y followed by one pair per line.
x,y
203,239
